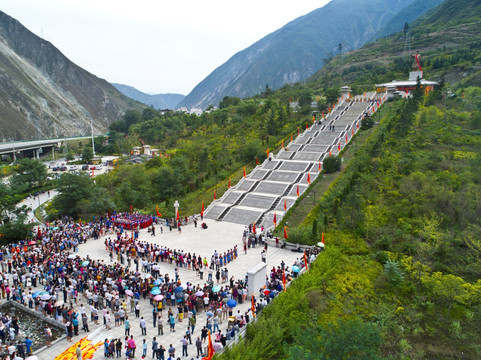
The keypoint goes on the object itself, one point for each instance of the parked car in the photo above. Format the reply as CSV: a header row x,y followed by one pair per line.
x,y
92,168
98,167
72,168
55,169
63,168
85,167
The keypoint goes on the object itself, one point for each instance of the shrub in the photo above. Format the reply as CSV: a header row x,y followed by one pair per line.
x,y
367,123
332,164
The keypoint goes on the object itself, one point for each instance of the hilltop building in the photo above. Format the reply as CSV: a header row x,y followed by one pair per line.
x,y
406,85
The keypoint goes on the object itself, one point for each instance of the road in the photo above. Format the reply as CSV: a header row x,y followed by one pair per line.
x,y
33,202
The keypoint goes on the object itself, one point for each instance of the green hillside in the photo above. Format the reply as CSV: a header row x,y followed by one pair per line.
x,y
400,277
447,38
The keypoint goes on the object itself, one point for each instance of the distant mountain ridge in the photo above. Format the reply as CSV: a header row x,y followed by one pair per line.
x,y
43,94
407,15
299,49
158,101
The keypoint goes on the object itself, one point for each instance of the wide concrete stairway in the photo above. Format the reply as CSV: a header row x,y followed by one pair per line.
x,y
274,186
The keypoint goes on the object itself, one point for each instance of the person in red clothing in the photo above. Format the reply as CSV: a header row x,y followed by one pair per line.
x,y
131,345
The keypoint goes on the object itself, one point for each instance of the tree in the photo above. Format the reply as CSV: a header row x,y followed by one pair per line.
x,y
131,117
73,189
367,123
16,229
70,155
149,113
7,201
87,154
30,173
394,272
228,101
267,91
331,164
332,94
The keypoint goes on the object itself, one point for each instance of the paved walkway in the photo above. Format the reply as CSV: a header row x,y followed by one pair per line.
x,y
274,186
33,202
219,236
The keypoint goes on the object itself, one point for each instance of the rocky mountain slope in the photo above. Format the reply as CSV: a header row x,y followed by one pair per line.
x,y
300,48
43,94
158,101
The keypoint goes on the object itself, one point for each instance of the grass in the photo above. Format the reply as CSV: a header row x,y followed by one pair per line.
x,y
319,187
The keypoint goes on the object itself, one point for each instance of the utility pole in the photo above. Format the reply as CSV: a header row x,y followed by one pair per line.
x,y
93,144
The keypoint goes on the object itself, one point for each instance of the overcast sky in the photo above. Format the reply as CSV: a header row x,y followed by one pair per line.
x,y
156,46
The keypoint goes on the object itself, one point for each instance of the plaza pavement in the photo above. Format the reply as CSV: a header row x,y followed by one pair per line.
x,y
219,236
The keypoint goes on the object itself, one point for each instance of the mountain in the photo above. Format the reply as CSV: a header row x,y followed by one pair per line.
x,y
447,37
407,15
43,94
299,49
158,101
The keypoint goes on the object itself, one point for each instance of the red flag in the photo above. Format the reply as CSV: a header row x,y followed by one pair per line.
x,y
357,124
330,152
257,161
313,119
284,279
243,173
297,191
210,349
283,143
298,130
275,219
308,178
215,195
254,227
202,211
178,216
305,259
253,305
347,140
352,131
285,204
229,179
339,146
291,136
285,232
157,210
323,237
320,166
131,208
307,126
290,100
267,152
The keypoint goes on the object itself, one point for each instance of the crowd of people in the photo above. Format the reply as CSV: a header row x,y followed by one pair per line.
x,y
79,292
130,221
